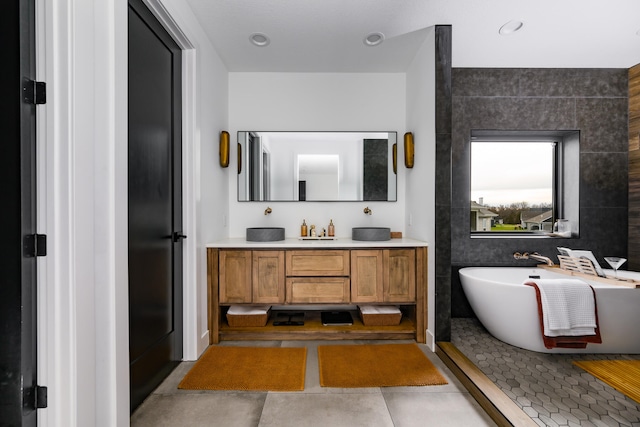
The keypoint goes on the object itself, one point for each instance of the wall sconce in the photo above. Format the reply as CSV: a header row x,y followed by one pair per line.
x,y
395,159
409,150
224,149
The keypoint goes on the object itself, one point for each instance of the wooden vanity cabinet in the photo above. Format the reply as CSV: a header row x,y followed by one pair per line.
x,y
235,276
317,276
317,263
295,277
310,290
399,277
385,275
268,277
251,277
367,274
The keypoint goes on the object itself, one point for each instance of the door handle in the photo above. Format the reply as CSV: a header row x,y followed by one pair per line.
x,y
177,236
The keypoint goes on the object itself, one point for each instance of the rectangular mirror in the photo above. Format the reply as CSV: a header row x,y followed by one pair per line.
x,y
316,166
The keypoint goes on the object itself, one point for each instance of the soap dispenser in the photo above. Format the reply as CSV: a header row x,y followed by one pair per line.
x,y
332,229
303,229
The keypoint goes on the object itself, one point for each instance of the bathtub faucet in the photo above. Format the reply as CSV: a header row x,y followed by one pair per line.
x,y
534,255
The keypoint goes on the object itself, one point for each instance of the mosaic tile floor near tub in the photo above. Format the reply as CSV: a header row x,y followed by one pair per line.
x,y
548,387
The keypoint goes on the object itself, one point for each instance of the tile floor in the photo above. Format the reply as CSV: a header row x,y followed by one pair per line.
x,y
548,387
448,405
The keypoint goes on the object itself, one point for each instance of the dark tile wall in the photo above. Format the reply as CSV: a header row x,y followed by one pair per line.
x,y
593,101
443,184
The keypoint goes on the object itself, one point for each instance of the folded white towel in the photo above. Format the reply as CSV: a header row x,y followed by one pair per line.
x,y
568,307
248,309
379,309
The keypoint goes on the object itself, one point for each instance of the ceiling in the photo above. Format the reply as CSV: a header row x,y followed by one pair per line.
x,y
327,35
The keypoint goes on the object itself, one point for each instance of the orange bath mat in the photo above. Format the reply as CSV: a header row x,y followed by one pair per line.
x,y
248,368
385,365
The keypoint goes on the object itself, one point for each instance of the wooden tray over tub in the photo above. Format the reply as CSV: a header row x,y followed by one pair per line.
x,y
583,267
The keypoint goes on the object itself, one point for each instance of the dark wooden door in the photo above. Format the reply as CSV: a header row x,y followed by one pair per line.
x,y
18,297
155,203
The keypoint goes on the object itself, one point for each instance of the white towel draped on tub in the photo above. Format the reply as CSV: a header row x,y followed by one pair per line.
x,y
568,307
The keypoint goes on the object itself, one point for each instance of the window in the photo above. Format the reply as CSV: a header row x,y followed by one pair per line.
x,y
520,181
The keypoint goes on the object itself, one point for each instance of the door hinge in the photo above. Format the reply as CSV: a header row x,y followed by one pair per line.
x,y
35,245
35,397
41,396
34,92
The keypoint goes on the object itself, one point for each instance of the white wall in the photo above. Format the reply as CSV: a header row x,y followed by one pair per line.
x,y
83,282
420,181
315,102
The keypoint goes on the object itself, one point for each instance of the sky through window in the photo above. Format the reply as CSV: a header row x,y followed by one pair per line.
x,y
503,173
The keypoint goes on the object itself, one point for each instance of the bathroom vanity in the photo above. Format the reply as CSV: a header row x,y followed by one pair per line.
x,y
312,276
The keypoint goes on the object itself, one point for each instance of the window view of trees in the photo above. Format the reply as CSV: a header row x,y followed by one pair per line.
x,y
512,186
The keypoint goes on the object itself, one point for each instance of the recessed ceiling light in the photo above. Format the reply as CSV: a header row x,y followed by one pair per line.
x,y
511,27
259,39
373,39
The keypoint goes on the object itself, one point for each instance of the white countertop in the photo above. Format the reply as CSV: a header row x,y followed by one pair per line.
x,y
316,244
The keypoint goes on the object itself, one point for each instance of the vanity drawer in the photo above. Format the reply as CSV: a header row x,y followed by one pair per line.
x,y
317,289
318,263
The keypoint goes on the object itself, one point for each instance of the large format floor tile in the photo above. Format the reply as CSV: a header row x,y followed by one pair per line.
x,y
238,409
435,409
447,405
309,410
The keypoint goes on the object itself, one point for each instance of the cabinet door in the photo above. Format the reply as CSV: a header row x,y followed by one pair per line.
x,y
235,276
399,275
366,276
268,277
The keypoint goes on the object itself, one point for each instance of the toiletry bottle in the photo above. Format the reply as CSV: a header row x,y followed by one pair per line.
x,y
313,231
332,229
303,229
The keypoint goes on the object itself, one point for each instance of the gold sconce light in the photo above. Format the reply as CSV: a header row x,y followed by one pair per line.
x,y
395,158
224,149
409,150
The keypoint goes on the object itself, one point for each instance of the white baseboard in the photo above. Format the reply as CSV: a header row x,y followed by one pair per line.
x,y
203,343
431,341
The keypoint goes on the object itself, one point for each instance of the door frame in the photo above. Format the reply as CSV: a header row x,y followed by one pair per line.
x,y
76,325
191,342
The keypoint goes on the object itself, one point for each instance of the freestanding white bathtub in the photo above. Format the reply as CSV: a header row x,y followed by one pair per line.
x,y
509,311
